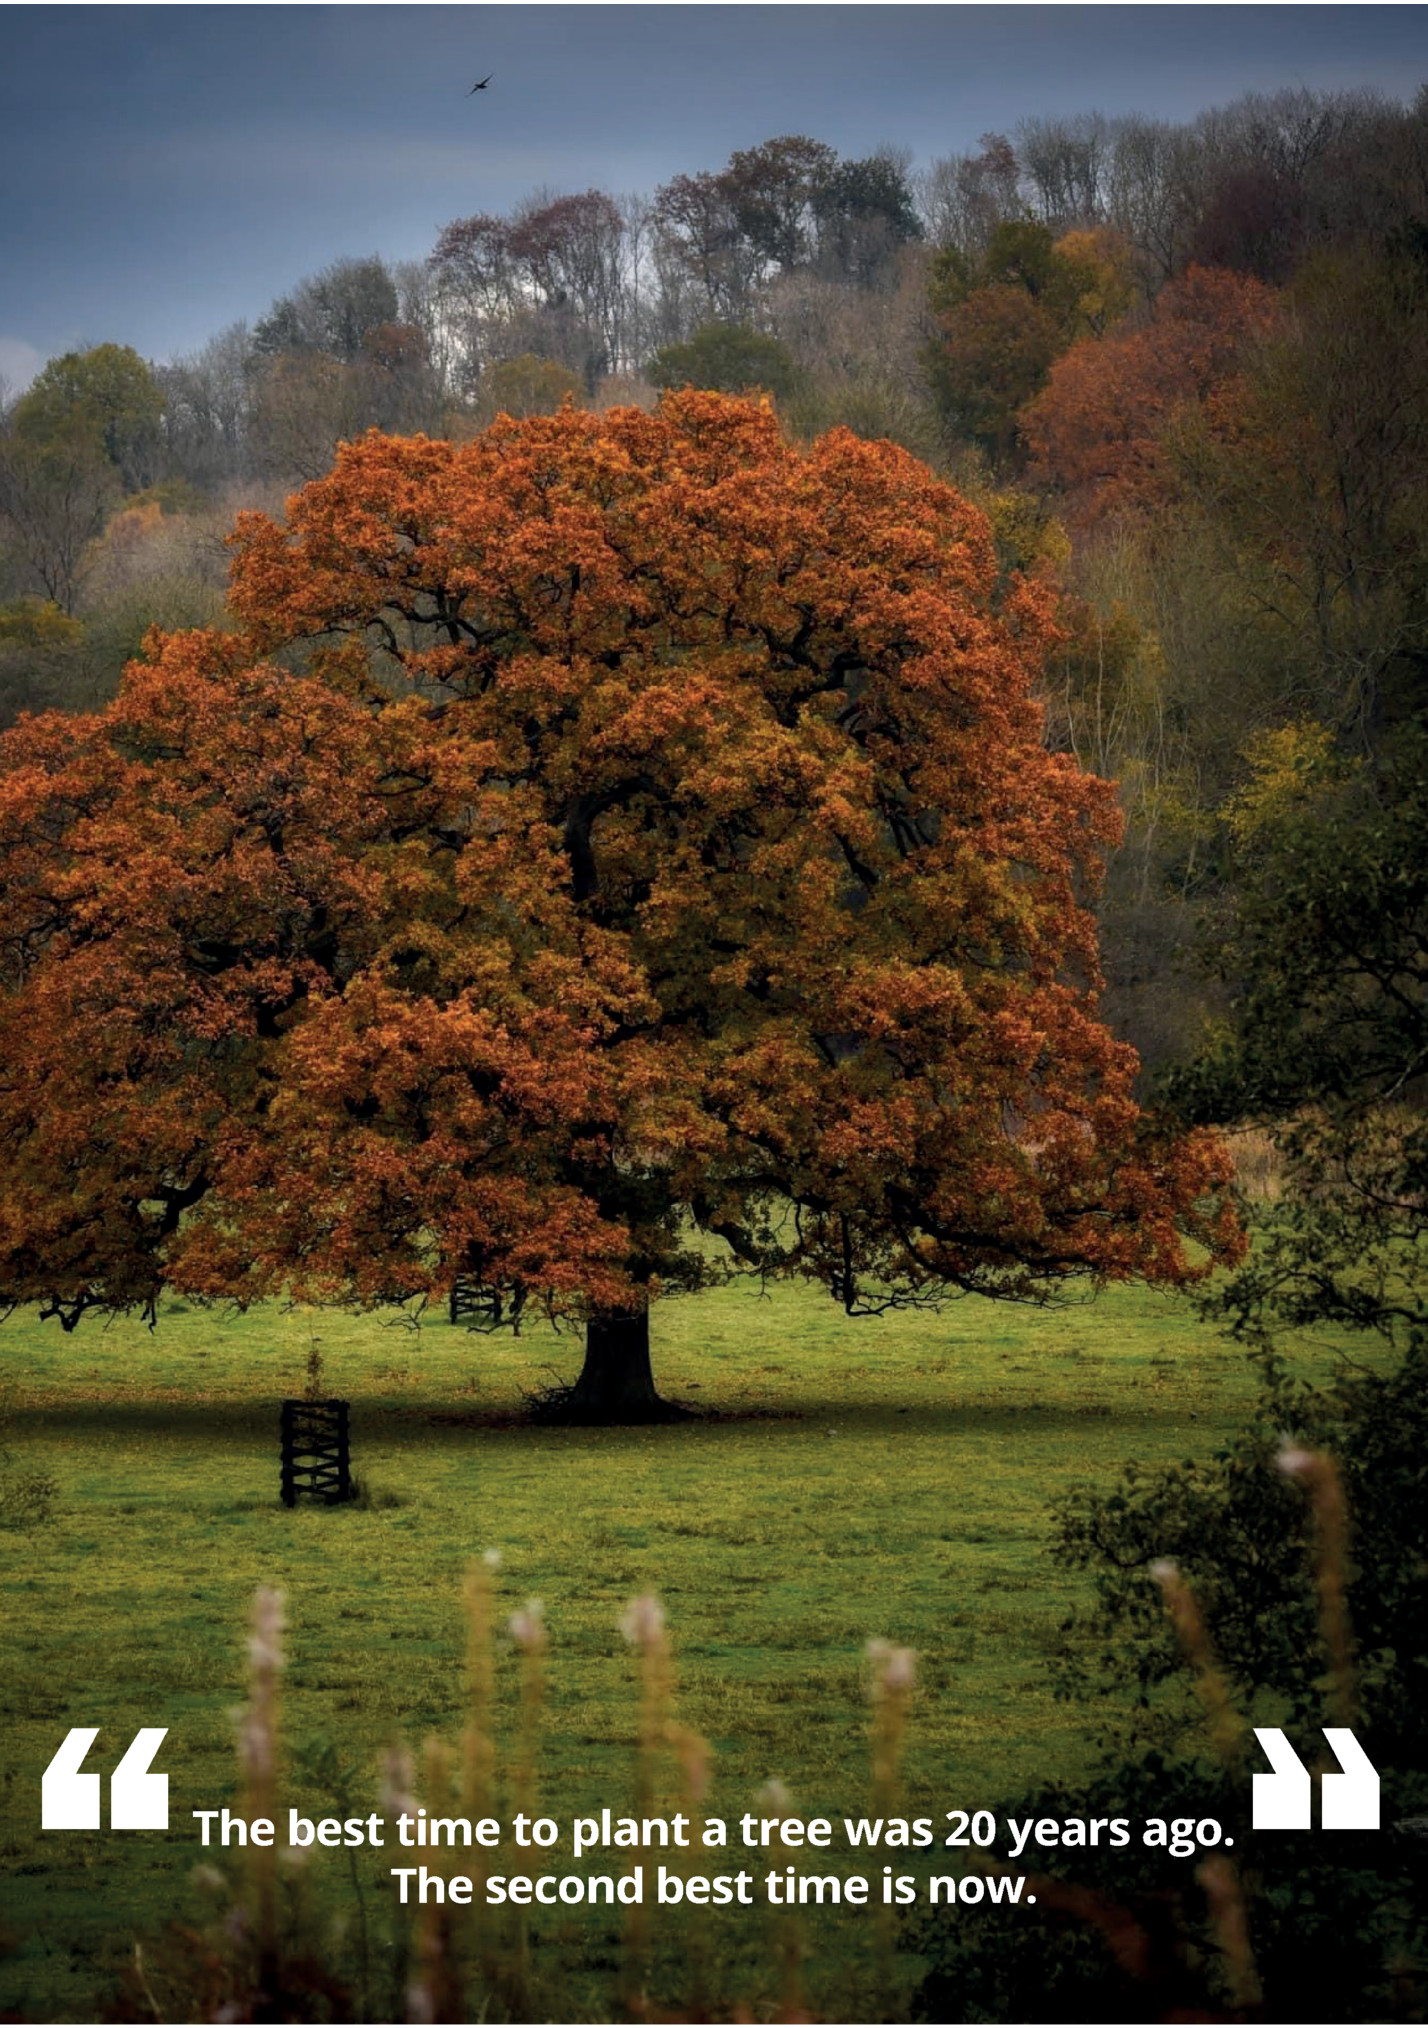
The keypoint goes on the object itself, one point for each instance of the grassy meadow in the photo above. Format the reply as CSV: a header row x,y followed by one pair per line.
x,y
845,1479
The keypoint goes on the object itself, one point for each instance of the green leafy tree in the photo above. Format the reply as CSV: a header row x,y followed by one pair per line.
x,y
727,359
106,395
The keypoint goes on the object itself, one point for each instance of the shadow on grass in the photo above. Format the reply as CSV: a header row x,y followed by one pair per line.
x,y
442,1422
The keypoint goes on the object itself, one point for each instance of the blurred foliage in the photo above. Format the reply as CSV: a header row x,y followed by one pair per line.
x,y
1238,1531
1335,1925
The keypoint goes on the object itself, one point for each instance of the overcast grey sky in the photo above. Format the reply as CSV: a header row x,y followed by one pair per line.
x,y
166,170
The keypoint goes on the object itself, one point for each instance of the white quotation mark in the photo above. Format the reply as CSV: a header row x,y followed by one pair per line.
x,y
69,1800
1282,1801
138,1800
1349,1801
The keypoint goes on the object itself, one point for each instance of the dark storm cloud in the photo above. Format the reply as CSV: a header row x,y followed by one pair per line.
x,y
170,169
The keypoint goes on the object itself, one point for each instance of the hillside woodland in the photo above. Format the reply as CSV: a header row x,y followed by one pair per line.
x,y
1183,369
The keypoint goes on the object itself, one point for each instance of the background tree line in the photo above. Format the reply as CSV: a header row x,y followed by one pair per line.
x,y
1182,367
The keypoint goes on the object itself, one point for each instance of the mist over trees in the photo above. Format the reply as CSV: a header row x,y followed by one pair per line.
x,y
1180,367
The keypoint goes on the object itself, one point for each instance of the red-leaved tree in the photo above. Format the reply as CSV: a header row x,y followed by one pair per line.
x,y
1097,429
614,830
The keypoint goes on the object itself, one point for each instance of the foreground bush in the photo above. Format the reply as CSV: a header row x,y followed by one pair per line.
x,y
1300,1611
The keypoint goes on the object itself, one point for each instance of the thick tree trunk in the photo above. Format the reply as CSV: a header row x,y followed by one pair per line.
x,y
616,1383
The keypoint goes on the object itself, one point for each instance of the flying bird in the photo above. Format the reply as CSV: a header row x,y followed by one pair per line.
x,y
483,84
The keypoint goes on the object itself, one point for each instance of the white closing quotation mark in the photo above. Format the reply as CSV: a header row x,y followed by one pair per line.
x,y
1283,1801
138,1800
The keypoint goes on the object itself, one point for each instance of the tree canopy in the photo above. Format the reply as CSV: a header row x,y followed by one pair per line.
x,y
609,829
1004,316
1098,427
727,359
105,397
1328,944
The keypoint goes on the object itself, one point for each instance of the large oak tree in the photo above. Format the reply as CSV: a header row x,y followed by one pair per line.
x,y
609,850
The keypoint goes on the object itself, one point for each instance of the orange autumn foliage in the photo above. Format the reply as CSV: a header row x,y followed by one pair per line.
x,y
646,824
1097,428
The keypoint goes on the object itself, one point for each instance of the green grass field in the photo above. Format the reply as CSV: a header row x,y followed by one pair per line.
x,y
846,1479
